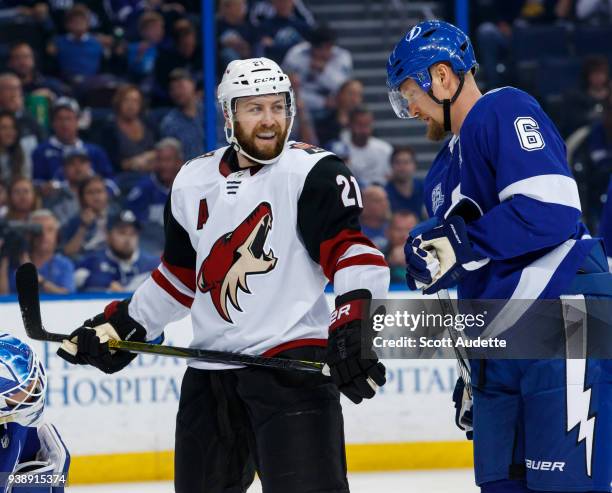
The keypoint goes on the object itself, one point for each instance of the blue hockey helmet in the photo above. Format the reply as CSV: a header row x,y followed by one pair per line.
x,y
23,382
427,43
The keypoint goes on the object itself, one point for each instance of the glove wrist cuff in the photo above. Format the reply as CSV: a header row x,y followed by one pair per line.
x,y
348,312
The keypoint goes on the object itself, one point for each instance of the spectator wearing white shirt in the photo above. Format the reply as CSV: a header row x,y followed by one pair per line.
x,y
370,156
322,67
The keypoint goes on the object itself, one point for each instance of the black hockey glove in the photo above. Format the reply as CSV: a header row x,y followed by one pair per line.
x,y
357,375
88,345
463,409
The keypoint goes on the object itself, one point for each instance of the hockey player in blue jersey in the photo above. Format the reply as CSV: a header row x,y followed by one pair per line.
x,y
27,446
505,225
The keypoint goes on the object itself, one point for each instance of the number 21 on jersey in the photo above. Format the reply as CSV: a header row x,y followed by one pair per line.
x,y
351,195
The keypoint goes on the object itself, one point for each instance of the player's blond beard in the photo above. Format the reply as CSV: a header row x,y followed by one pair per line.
x,y
435,131
247,142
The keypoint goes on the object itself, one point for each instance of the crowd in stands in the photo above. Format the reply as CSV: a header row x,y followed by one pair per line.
x,y
101,104
559,51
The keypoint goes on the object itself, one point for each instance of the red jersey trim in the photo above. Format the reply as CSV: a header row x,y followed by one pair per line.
x,y
331,250
346,313
167,286
224,168
285,346
183,274
362,259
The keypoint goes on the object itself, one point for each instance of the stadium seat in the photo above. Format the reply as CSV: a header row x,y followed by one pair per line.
x,y
539,42
558,75
591,40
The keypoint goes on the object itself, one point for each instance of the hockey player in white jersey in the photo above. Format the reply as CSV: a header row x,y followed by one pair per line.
x,y
254,232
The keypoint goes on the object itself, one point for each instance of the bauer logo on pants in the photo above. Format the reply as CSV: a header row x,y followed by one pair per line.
x,y
233,257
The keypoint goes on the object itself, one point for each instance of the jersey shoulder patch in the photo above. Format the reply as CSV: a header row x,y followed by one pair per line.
x,y
308,148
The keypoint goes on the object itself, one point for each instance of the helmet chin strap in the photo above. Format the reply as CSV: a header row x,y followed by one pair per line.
x,y
239,149
446,103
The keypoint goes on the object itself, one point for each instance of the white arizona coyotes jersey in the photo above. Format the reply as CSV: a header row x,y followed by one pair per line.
x,y
249,252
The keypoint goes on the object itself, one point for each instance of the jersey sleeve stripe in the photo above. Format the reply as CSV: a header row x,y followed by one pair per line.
x,y
358,250
553,189
183,274
175,281
374,278
333,249
365,259
169,288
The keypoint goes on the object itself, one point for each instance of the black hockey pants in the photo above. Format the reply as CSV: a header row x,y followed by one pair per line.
x,y
286,425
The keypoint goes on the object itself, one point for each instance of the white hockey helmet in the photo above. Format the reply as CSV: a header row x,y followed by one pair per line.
x,y
252,77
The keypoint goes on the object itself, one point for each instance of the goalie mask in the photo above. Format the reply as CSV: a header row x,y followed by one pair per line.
x,y
23,383
253,77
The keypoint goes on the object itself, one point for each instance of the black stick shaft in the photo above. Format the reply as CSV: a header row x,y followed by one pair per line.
x,y
29,303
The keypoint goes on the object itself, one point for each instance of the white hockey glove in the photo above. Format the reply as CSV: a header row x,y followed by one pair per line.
x,y
463,409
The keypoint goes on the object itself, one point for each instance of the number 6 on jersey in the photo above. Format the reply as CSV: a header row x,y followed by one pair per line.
x,y
528,133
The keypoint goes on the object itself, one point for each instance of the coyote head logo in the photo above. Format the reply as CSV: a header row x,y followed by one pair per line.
x,y
235,256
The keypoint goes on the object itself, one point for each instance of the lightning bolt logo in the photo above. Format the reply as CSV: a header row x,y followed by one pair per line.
x,y
577,393
578,402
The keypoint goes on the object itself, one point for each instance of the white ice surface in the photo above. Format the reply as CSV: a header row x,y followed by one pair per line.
x,y
437,481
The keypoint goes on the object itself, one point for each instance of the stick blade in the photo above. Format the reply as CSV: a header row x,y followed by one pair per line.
x,y
27,292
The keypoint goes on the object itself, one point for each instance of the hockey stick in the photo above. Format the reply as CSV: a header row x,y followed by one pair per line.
x,y
29,303
462,362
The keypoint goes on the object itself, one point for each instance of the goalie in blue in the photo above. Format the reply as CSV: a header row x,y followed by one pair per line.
x,y
506,225
27,446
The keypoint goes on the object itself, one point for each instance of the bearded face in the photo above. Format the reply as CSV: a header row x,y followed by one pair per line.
x,y
262,142
435,131
261,124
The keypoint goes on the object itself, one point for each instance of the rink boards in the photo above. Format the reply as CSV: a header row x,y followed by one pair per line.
x,y
121,427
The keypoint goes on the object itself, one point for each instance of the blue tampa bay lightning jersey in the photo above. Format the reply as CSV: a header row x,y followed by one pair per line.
x,y
509,161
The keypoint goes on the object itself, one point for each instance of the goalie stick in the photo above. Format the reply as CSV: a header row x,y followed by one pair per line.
x,y
29,303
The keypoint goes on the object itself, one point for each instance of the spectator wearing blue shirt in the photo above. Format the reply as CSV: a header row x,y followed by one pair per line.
x,y
283,31
122,266
405,192
85,232
79,54
48,157
55,272
141,54
185,122
375,216
148,198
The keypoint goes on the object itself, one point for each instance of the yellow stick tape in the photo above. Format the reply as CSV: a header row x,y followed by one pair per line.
x,y
364,457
